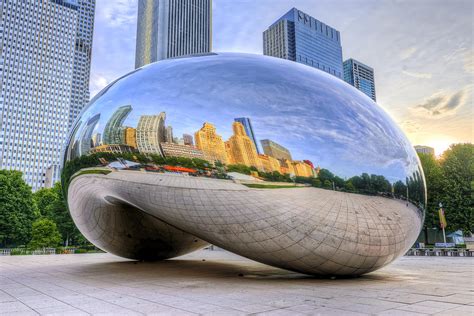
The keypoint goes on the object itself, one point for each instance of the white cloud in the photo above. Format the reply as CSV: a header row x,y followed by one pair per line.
x,y
410,126
418,75
118,12
97,83
469,63
407,53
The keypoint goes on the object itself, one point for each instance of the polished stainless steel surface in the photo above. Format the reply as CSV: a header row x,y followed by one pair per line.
x,y
319,179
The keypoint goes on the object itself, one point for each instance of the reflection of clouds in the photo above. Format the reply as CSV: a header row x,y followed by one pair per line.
x,y
315,115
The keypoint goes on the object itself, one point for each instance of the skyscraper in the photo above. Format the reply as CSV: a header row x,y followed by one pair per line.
x,y
80,93
86,140
299,37
302,169
172,28
131,137
169,134
241,149
188,139
424,150
269,163
245,121
113,132
151,132
360,76
272,149
37,80
211,143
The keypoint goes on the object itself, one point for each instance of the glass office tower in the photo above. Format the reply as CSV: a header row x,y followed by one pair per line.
x,y
37,80
299,37
82,58
172,28
245,121
360,76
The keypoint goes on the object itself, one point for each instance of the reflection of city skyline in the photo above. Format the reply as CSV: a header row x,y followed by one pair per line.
x,y
264,162
186,135
153,136
338,130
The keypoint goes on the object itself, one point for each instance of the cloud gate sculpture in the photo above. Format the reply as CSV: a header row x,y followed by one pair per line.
x,y
267,158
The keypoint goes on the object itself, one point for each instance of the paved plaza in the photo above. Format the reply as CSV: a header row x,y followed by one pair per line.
x,y
220,283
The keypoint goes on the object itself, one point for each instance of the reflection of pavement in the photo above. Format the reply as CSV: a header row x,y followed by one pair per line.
x,y
94,283
309,229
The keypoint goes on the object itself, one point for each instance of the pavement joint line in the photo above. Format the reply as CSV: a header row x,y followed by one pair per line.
x,y
64,301
135,296
197,288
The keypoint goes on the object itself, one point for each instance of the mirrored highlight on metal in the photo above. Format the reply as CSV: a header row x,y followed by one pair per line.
x,y
267,158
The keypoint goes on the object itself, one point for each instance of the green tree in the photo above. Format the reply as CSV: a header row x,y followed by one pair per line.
x,y
400,189
339,182
239,168
327,184
203,164
17,209
44,233
53,206
63,220
457,164
349,186
44,198
315,182
325,175
433,177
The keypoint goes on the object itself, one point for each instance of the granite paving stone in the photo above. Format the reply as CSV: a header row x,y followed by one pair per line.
x,y
216,282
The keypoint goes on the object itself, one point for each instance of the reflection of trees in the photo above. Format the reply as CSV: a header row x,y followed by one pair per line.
x,y
400,189
102,158
364,184
416,191
194,163
370,184
412,189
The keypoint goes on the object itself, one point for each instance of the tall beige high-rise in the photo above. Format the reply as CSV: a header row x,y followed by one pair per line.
x,y
269,163
241,149
150,133
211,143
172,28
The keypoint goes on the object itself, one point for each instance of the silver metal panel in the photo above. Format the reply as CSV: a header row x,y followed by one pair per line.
x,y
143,206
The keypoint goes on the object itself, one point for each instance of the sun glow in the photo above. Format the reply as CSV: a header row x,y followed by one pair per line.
x,y
440,144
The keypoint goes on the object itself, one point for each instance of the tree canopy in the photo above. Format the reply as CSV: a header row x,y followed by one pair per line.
x,y
457,164
17,209
44,234
52,205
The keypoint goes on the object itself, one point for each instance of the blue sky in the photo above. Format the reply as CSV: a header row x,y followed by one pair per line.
x,y
422,52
